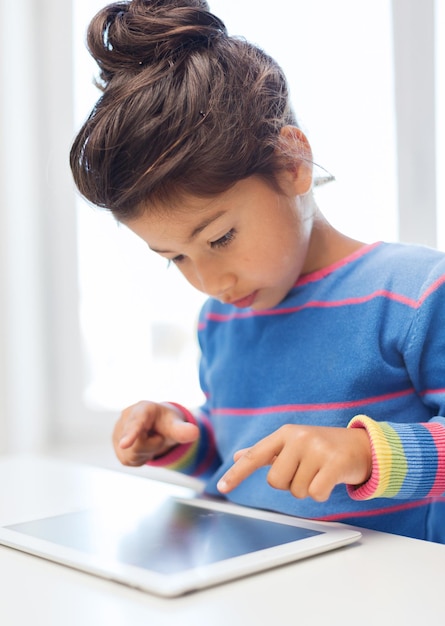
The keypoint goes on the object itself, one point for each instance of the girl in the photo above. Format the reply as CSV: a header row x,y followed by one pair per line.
x,y
323,358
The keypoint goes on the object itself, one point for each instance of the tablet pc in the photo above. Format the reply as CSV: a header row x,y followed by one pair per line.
x,y
174,545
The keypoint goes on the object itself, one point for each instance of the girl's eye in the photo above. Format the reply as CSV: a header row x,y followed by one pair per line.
x,y
176,260
224,240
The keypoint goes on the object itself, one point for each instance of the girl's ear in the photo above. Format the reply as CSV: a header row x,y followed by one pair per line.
x,y
297,154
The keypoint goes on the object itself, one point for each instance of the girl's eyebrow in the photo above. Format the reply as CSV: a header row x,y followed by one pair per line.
x,y
197,229
200,227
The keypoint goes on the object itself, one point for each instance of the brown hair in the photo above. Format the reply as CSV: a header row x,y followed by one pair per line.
x,y
185,107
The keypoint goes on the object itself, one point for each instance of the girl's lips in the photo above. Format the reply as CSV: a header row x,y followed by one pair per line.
x,y
243,303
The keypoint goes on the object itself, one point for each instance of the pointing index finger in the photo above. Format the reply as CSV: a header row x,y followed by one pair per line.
x,y
251,459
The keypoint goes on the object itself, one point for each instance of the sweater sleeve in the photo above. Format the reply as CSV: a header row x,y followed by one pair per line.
x,y
408,459
199,458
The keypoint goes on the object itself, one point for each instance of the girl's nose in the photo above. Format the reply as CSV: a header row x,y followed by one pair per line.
x,y
215,283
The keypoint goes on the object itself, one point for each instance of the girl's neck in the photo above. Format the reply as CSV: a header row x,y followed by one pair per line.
x,y
327,245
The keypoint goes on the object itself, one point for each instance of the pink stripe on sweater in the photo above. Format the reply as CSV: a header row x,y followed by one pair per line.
x,y
313,304
322,406
325,271
432,392
380,293
437,283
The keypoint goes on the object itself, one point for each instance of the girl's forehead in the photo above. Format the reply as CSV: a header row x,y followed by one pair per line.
x,y
191,210
185,206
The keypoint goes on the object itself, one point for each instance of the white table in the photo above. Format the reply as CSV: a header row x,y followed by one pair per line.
x,y
382,580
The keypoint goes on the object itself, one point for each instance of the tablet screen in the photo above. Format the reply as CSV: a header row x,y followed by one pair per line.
x,y
170,538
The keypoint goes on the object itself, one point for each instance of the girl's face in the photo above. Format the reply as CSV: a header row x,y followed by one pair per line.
x,y
247,246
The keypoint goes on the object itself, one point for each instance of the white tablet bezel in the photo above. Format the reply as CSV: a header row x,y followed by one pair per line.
x,y
332,536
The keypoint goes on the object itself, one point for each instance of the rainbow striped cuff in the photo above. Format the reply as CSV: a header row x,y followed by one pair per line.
x,y
408,460
388,469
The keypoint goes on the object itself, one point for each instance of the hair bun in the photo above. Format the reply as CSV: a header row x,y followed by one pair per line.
x,y
126,35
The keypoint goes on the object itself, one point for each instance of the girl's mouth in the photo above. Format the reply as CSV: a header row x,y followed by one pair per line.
x,y
246,302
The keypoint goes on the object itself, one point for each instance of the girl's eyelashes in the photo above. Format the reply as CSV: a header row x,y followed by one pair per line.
x,y
176,260
225,240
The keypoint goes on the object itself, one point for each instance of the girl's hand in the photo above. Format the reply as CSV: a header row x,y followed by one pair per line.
x,y
146,430
305,460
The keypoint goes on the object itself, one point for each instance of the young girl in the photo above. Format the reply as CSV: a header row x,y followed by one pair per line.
x,y
323,358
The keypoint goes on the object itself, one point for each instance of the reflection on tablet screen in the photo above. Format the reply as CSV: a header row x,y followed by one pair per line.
x,y
172,538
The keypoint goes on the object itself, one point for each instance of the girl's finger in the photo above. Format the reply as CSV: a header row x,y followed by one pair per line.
x,y
322,484
239,453
253,458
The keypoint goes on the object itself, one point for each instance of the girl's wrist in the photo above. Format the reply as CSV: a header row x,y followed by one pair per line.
x,y
369,487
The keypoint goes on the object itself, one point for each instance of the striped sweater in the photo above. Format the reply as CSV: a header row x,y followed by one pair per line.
x,y
359,344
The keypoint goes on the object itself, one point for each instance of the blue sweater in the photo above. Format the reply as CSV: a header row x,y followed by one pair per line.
x,y
364,336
